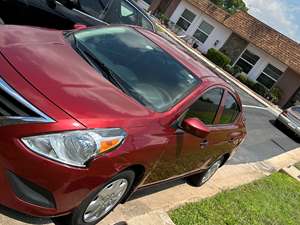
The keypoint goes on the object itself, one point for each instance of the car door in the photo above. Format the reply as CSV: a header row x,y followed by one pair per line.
x,y
198,153
229,124
185,152
43,15
90,12
125,12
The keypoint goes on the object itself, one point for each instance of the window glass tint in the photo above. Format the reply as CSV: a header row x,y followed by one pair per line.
x,y
121,12
247,61
92,7
266,81
203,31
202,37
184,24
188,15
186,19
273,72
296,109
231,110
131,57
129,15
207,106
206,27
146,24
251,58
269,76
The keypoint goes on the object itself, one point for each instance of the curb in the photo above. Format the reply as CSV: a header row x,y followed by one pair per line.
x,y
275,109
152,209
292,172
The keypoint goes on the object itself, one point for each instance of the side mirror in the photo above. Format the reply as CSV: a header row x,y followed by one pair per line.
x,y
51,3
195,127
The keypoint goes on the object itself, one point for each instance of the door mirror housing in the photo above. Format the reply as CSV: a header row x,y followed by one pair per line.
x,y
195,127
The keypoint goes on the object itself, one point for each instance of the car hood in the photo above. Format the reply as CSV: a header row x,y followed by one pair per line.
x,y
49,63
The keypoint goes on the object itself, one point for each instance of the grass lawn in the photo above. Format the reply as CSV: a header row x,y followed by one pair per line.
x,y
297,165
274,200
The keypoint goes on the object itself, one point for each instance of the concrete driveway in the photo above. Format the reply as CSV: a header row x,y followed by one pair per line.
x,y
264,139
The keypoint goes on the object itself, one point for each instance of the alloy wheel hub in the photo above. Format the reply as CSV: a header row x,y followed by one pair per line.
x,y
105,200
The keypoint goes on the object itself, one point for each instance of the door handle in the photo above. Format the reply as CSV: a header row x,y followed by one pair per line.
x,y
204,144
235,135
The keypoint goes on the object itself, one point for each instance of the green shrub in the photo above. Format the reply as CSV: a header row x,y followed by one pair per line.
x,y
276,94
218,57
250,83
229,69
242,77
237,69
260,89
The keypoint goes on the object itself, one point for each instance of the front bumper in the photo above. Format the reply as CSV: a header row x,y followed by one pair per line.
x,y
289,124
55,189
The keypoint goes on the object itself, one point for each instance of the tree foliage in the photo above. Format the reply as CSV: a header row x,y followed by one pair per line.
x,y
231,6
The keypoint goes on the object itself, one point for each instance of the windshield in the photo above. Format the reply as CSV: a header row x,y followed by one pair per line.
x,y
145,71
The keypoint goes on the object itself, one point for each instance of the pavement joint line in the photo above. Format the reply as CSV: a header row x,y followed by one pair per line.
x,y
275,109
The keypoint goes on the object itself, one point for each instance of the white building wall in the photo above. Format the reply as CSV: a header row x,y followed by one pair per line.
x,y
143,5
262,63
220,33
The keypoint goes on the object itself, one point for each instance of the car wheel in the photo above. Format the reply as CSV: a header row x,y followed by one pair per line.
x,y
198,180
102,202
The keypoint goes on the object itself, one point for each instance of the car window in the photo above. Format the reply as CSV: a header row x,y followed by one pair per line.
x,y
131,56
145,23
129,15
296,109
92,7
121,12
231,110
207,106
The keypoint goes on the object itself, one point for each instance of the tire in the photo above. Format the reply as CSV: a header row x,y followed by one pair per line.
x,y
80,215
199,179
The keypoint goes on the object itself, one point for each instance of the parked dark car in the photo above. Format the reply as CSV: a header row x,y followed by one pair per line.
x,y
290,118
89,116
63,14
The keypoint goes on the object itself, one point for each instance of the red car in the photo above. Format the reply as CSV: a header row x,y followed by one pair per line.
x,y
89,116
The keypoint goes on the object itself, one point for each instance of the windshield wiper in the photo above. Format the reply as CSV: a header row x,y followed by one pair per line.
x,y
108,73
100,67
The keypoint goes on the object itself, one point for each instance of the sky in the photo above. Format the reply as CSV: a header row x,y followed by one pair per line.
x,y
282,15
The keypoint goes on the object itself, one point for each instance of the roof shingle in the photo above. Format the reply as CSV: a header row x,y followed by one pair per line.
x,y
256,32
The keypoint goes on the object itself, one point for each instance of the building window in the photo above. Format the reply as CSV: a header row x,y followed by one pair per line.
x,y
247,61
269,76
148,1
203,31
186,19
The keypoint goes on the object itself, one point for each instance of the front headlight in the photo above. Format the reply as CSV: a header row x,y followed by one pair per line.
x,y
75,147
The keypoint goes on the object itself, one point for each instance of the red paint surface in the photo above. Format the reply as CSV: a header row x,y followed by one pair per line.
x,y
45,70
